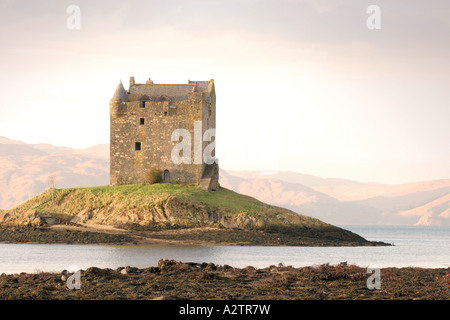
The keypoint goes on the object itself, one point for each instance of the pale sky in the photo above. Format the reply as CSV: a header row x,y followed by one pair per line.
x,y
301,85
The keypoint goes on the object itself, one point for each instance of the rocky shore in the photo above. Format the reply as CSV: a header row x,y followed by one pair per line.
x,y
193,281
206,236
33,234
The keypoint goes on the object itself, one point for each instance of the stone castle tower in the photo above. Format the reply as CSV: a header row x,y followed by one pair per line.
x,y
143,120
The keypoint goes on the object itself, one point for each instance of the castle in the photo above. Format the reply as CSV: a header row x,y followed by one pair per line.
x,y
142,125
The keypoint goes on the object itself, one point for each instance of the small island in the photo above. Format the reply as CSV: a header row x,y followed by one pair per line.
x,y
164,213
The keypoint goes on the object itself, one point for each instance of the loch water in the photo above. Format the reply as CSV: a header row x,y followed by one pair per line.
x,y
426,247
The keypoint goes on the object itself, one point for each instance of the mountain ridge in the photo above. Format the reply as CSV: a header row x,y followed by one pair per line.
x,y
376,203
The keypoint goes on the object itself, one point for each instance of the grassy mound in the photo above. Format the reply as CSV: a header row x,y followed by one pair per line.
x,y
162,207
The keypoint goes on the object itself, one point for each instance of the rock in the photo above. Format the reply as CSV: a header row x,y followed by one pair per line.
x,y
131,269
165,264
193,265
211,267
75,220
183,267
84,215
124,271
164,298
273,268
249,269
94,271
151,270
4,216
64,275
49,221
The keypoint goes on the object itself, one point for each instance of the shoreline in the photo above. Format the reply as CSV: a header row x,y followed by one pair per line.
x,y
177,280
202,236
313,266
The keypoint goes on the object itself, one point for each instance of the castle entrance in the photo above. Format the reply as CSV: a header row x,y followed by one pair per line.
x,y
166,176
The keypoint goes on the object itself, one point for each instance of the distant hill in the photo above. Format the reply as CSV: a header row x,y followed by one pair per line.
x,y
341,201
26,168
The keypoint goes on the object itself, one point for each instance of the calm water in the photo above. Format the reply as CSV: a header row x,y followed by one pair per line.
x,y
414,246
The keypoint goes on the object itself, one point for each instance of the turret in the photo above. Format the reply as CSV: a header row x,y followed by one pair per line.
x,y
118,103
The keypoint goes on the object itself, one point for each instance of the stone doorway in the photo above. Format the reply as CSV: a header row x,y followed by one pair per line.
x,y
166,176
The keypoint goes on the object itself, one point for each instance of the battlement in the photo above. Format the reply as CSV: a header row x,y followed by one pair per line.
x,y
151,91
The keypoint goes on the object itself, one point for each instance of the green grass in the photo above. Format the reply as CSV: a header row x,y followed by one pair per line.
x,y
221,198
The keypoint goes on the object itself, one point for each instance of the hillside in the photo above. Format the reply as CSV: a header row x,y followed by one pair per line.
x,y
301,199
341,201
178,213
25,169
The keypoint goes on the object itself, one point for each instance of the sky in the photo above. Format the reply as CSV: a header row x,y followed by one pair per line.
x,y
301,86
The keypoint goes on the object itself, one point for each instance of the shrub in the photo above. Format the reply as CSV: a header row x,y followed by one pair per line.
x,y
153,176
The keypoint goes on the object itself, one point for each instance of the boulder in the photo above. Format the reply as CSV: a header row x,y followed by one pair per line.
x,y
4,216
94,271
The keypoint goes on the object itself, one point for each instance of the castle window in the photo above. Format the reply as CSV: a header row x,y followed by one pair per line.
x,y
137,146
165,113
142,104
142,121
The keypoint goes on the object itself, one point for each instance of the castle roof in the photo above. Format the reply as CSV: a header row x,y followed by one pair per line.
x,y
175,92
120,94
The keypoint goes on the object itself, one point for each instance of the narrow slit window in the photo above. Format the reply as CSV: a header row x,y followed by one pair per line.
x,y
142,121
165,113
142,104
137,146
